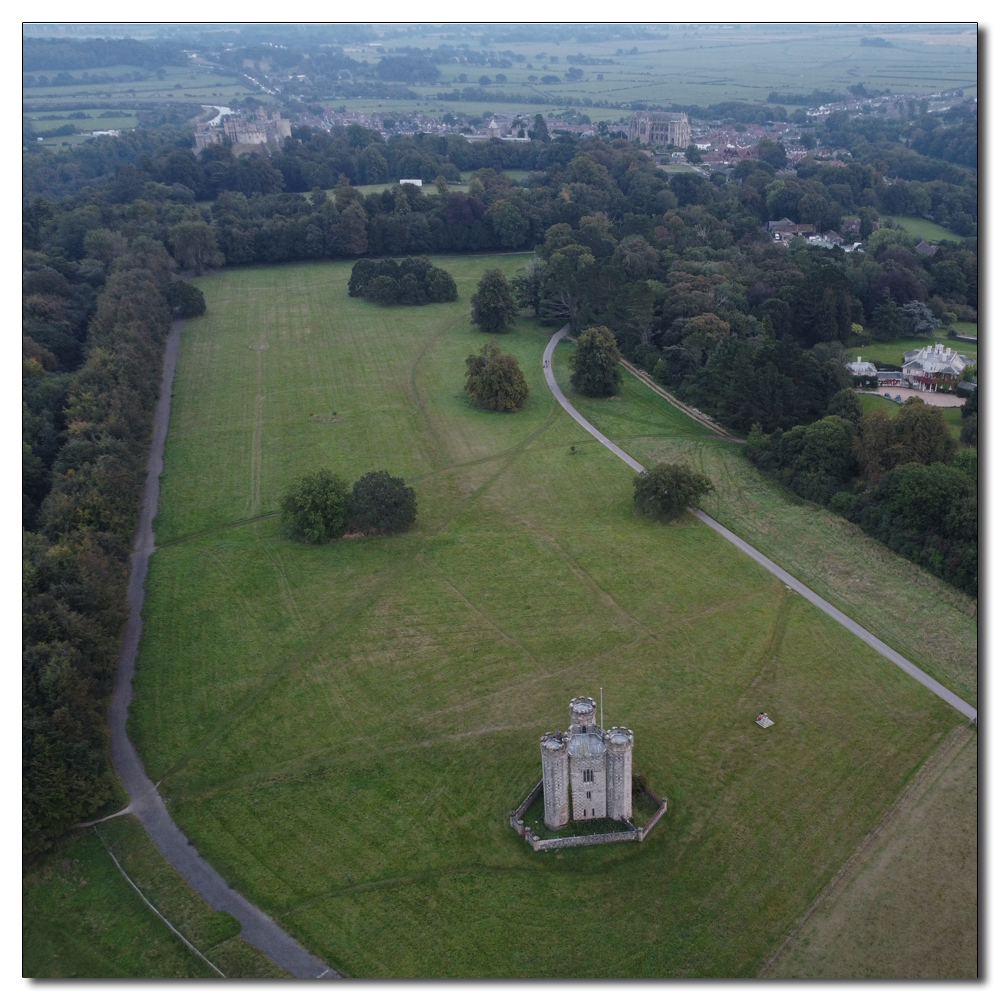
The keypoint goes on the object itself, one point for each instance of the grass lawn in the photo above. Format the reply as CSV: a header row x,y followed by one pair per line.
x,y
873,923
342,730
925,229
82,920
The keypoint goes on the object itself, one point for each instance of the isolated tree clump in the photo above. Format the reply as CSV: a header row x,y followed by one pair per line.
x,y
382,504
315,508
666,490
596,371
412,281
494,380
494,307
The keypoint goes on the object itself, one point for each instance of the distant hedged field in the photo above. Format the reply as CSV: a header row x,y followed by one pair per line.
x,y
681,272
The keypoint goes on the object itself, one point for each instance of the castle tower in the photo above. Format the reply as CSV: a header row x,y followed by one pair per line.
x,y
583,714
619,742
588,759
555,779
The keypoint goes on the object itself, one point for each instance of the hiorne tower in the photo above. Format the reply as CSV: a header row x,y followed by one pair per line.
x,y
587,771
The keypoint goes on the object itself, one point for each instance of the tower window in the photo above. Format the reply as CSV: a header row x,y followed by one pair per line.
x,y
588,776
588,795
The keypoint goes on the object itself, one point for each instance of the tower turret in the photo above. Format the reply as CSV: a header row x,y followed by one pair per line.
x,y
583,715
618,742
555,779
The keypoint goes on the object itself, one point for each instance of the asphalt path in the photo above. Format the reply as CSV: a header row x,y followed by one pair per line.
x,y
800,588
146,805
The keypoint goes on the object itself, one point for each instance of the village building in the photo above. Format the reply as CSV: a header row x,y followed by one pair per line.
x,y
785,229
926,249
861,368
934,367
659,128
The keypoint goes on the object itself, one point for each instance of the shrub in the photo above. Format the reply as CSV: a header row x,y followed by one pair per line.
x,y
494,307
382,504
596,371
666,490
315,508
495,380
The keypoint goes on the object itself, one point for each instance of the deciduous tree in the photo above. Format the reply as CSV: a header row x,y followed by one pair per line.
x,y
382,504
494,307
666,490
495,380
596,371
315,508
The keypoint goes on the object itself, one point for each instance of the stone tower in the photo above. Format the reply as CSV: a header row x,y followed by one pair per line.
x,y
619,746
587,761
588,766
587,771
582,713
555,779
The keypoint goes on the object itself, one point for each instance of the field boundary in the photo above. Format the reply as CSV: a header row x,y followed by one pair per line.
x,y
940,756
772,567
155,910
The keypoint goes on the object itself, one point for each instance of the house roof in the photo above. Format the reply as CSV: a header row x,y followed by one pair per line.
x,y
925,248
935,359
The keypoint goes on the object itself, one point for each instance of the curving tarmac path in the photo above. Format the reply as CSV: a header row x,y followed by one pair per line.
x,y
862,633
258,928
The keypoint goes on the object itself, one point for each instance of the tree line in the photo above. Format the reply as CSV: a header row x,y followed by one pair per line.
x,y
97,424
901,478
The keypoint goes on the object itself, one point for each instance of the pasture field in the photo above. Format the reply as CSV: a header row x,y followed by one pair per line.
x,y
342,730
688,64
193,84
925,229
705,64
81,919
873,923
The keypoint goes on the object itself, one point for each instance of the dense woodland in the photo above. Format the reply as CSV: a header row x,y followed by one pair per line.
x,y
678,268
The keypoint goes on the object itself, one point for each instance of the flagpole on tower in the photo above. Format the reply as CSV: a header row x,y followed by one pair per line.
x,y
602,709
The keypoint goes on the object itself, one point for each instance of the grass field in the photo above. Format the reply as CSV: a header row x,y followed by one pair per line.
x,y
342,730
82,920
925,229
874,921
193,84
708,63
